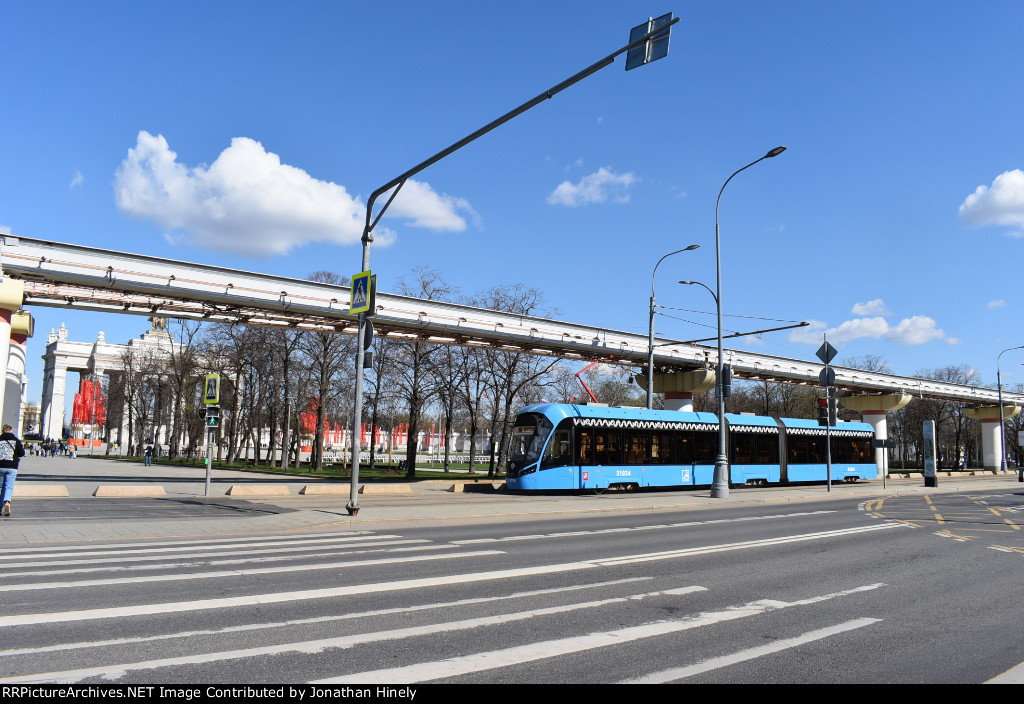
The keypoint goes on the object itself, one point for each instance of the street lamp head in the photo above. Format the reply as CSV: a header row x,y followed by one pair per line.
x,y
692,247
774,152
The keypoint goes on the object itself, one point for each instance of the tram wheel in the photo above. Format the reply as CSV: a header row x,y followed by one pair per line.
x,y
600,490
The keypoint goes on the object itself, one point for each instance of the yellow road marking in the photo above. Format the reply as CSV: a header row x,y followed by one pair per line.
x,y
1007,547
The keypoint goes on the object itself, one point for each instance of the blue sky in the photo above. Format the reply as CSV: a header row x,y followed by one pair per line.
x,y
250,134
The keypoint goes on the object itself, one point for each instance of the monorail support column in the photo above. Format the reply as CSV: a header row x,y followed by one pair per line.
x,y
13,408
991,439
873,408
679,387
12,294
679,401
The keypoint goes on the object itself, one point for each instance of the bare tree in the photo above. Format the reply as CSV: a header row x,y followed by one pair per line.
x,y
325,353
411,362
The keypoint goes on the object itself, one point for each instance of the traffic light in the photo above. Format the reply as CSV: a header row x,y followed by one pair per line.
x,y
213,417
726,381
827,411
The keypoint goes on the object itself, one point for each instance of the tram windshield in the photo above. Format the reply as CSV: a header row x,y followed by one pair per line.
x,y
528,436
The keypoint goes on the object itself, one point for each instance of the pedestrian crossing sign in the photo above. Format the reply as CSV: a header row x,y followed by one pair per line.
x,y
360,302
212,393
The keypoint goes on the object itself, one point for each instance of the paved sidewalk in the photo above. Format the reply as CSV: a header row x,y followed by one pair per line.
x,y
184,511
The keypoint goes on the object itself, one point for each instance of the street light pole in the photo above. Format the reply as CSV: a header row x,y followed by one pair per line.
x,y
720,483
650,328
1002,419
647,39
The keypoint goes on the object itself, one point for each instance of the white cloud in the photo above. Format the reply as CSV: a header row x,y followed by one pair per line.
x,y
875,307
248,202
595,188
77,180
916,330
997,304
424,207
1000,204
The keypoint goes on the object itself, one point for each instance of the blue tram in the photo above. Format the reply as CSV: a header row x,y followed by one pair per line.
x,y
558,446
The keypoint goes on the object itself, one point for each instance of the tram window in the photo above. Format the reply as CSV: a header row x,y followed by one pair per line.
x,y
744,448
768,449
584,447
804,449
557,453
705,447
637,442
661,448
684,447
607,447
850,450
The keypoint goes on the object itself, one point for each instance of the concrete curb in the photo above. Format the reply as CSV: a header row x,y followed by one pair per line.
x,y
383,489
123,492
329,489
42,491
258,490
471,487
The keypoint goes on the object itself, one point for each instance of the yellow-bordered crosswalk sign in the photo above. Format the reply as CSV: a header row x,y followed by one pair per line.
x,y
360,301
211,396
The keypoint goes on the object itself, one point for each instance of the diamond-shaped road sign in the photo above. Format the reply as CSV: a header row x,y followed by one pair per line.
x,y
654,48
826,353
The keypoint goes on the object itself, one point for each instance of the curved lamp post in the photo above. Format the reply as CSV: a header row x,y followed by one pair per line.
x,y
650,328
720,484
1002,420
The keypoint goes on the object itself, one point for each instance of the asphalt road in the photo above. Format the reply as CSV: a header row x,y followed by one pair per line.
x,y
866,589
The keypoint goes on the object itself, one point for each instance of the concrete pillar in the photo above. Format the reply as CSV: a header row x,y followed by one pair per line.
x,y
873,408
991,438
678,401
52,411
876,419
14,393
12,293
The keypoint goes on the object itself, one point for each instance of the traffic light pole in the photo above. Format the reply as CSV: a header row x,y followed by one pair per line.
x,y
209,458
657,31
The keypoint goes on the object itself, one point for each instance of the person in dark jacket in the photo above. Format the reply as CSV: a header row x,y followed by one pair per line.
x,y
11,452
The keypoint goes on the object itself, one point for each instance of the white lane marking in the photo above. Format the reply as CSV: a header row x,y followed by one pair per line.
x,y
189,576
187,544
479,662
679,673
1015,675
586,564
199,562
323,619
688,552
316,646
115,560
606,531
280,597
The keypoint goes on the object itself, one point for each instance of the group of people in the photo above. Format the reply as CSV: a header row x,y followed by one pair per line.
x,y
51,448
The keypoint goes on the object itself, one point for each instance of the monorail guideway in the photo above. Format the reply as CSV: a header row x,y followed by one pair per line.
x,y
61,275
56,274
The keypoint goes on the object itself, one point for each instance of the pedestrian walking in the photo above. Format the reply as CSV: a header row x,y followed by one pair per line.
x,y
149,455
11,452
